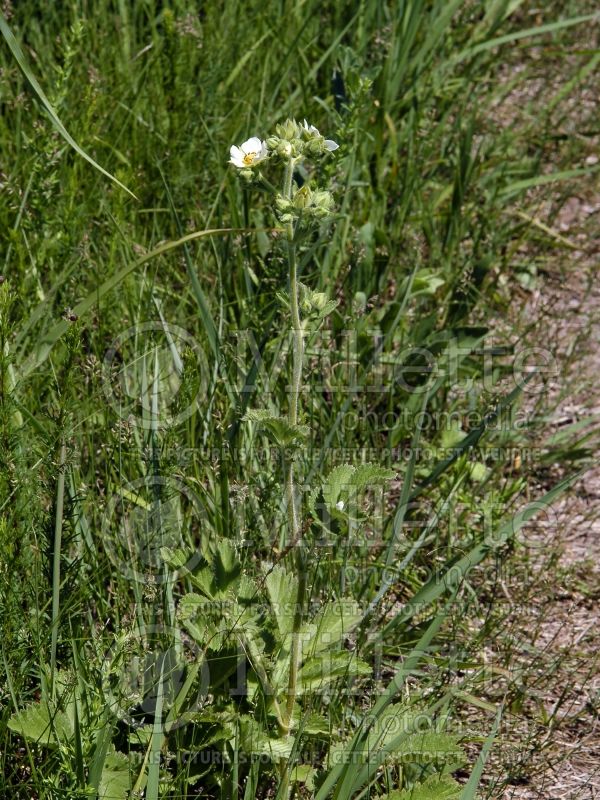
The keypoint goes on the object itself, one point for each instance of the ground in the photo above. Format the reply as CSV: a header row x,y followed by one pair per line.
x,y
550,747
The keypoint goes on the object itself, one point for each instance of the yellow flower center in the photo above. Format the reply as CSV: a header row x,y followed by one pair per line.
x,y
249,159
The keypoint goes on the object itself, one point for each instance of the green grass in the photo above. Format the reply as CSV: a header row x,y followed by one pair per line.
x,y
138,325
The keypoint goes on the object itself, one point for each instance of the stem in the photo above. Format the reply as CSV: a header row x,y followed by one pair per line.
x,y
293,521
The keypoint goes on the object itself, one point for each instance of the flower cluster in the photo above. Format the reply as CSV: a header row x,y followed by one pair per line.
x,y
305,203
291,140
291,143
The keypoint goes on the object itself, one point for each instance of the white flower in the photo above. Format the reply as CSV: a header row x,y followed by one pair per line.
x,y
312,131
340,505
250,153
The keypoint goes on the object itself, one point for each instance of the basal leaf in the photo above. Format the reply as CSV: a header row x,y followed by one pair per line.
x,y
115,781
319,671
282,589
437,787
334,621
38,724
227,568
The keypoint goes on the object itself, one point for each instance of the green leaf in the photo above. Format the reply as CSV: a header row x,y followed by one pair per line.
x,y
115,781
156,743
304,773
38,724
211,727
319,671
346,479
541,180
397,733
337,481
316,725
395,720
195,616
470,790
343,775
176,559
366,475
202,577
216,576
227,568
429,747
437,787
315,304
282,589
278,428
334,621
452,435
203,580
427,282
478,471
205,620
550,27
254,739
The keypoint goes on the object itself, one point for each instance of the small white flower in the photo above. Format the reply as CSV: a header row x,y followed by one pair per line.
x,y
248,154
312,131
340,505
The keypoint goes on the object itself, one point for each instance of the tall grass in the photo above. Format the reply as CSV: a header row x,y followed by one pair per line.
x,y
148,566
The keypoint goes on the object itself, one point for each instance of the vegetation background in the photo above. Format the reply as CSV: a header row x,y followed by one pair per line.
x,y
129,355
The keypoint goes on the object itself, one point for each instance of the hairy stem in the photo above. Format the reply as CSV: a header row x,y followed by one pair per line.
x,y
293,520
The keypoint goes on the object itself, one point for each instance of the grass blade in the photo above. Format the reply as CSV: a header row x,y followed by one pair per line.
x,y
156,743
515,36
470,790
541,180
58,527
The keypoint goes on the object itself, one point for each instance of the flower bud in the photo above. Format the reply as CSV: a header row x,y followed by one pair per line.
x,y
303,197
283,204
315,147
284,149
288,130
319,299
322,201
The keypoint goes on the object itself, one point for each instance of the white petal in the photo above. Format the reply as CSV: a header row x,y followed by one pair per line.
x,y
331,145
237,157
253,145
